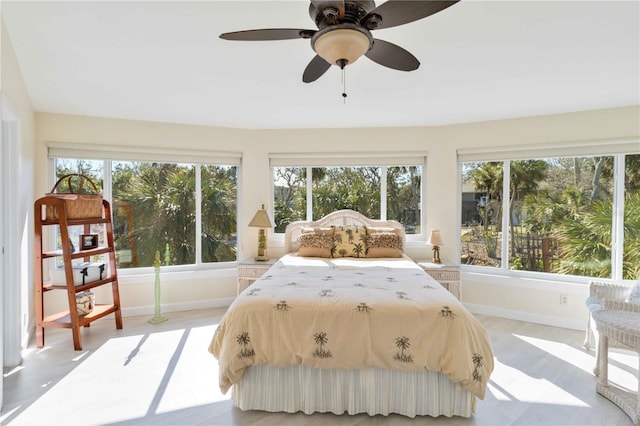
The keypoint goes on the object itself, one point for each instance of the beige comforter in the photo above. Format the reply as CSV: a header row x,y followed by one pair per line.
x,y
352,314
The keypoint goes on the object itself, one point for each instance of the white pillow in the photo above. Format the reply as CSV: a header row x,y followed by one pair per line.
x,y
634,296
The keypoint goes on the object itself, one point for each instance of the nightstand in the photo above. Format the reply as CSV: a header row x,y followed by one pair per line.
x,y
447,275
250,270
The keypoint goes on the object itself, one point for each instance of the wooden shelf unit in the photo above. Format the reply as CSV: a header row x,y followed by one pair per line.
x,y
70,318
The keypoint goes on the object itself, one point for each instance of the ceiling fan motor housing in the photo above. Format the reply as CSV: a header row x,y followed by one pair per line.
x,y
354,11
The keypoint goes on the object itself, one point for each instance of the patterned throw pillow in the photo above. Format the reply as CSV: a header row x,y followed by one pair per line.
x,y
349,241
315,244
634,296
384,244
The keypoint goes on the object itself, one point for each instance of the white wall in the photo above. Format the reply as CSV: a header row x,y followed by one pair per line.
x,y
512,297
16,297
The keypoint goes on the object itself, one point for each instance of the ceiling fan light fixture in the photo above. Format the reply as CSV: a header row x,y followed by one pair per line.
x,y
342,44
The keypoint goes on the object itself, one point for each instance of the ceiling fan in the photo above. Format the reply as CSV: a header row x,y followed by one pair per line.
x,y
344,32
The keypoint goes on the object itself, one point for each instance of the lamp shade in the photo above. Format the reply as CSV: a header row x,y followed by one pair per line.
x,y
261,219
435,239
342,44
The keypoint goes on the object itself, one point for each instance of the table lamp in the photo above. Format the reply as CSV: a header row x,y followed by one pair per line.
x,y
262,220
435,240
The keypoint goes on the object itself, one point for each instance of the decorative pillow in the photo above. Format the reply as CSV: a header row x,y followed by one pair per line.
x,y
315,244
349,241
634,296
384,244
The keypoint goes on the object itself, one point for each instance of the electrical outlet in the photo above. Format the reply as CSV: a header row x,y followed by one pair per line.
x,y
564,299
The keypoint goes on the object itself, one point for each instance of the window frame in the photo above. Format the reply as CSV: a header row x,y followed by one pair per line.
x,y
384,160
618,149
109,154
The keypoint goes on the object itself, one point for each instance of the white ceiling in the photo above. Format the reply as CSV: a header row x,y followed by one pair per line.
x,y
480,60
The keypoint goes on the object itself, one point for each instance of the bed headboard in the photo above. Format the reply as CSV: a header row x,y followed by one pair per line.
x,y
337,218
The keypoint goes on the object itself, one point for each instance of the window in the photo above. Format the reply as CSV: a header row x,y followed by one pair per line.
x,y
309,192
481,213
561,215
186,212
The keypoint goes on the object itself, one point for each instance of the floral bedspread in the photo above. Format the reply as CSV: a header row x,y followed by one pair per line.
x,y
352,313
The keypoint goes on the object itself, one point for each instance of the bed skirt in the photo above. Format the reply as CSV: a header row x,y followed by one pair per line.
x,y
371,391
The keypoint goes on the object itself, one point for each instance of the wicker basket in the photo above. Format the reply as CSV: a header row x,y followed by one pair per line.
x,y
79,204
85,301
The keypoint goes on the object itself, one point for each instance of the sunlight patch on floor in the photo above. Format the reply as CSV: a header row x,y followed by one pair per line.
x,y
193,373
623,365
106,386
578,358
510,384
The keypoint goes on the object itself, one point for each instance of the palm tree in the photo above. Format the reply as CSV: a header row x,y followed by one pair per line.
x,y
586,243
526,175
218,213
244,340
477,363
631,256
349,233
289,196
321,338
162,200
163,207
403,344
403,195
486,177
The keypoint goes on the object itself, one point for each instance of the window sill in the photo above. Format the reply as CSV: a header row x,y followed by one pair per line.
x,y
178,273
526,279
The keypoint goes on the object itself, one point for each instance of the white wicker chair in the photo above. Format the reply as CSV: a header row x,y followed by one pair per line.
x,y
598,292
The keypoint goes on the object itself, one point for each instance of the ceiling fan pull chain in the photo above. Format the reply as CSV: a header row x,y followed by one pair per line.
x,y
344,87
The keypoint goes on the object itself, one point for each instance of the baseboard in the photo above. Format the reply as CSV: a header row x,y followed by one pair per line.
x,y
553,321
177,307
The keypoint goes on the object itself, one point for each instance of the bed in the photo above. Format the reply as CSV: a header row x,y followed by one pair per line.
x,y
351,325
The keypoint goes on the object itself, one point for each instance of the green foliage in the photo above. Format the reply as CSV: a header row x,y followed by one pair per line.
x,y
355,188
219,225
586,243
491,243
568,200
486,177
403,196
518,264
289,196
161,199
631,258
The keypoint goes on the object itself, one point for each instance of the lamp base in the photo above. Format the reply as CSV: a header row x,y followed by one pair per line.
x,y
436,255
262,258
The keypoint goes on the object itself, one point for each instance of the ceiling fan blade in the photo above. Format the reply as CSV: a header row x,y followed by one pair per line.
x,y
398,12
315,69
392,56
268,34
